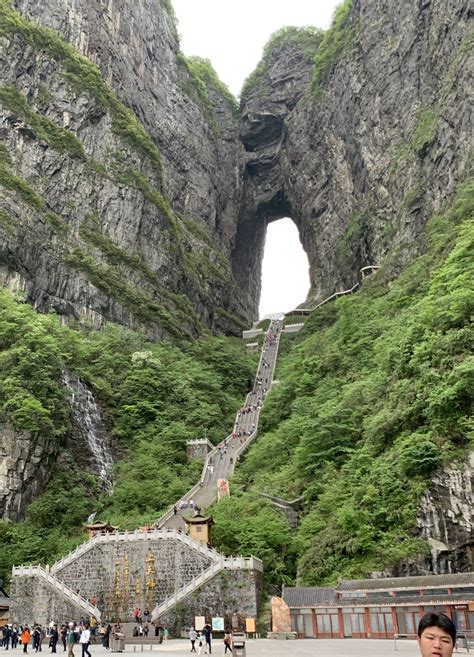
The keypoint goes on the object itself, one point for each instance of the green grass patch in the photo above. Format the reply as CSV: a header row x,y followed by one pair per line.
x,y
28,195
294,319
22,188
117,256
201,74
233,320
58,138
7,221
425,129
109,280
336,42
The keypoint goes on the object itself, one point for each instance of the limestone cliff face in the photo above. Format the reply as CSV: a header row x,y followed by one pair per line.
x,y
362,158
101,217
24,465
446,519
140,226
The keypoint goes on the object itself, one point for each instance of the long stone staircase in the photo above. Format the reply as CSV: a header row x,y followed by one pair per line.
x,y
221,461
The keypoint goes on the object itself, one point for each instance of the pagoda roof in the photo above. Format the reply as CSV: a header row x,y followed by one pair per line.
x,y
198,519
99,525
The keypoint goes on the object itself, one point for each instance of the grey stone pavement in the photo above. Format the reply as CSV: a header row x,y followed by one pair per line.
x,y
275,648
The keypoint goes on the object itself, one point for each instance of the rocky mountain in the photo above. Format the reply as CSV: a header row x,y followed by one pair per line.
x,y
361,143
131,184
134,190
120,169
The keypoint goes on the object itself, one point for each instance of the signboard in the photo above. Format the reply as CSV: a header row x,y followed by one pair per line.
x,y
218,624
250,625
199,622
460,606
471,606
222,488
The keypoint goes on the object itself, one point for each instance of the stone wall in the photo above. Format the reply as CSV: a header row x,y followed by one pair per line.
x,y
230,592
122,575
34,600
25,463
291,510
198,449
446,519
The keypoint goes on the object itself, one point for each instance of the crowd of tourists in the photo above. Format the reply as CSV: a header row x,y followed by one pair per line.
x,y
55,636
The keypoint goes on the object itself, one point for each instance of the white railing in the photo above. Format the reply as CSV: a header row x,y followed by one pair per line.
x,y
306,311
137,535
364,272
224,563
67,593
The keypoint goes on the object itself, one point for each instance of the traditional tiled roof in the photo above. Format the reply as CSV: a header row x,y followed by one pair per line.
x,y
311,596
400,600
400,583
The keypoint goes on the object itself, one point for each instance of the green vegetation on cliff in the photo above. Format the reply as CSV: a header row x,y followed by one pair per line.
x,y
375,394
335,42
201,76
59,138
127,279
308,38
156,397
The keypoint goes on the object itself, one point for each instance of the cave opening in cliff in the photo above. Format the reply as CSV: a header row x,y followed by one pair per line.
x,y
285,269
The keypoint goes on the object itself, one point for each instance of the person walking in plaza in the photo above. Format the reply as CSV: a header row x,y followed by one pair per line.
x,y
63,635
228,642
53,638
207,632
7,635
85,640
192,637
25,638
200,640
71,639
37,638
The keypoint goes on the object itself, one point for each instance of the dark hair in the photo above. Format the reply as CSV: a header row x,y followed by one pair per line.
x,y
437,619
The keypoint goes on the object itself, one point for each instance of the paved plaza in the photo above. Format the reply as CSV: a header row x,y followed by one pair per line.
x,y
274,648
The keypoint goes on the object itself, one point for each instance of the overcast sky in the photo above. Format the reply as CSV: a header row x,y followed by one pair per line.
x,y
232,35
